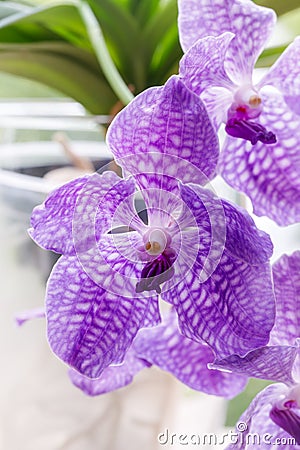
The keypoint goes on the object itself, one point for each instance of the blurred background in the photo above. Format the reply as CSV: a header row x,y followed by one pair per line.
x,y
66,68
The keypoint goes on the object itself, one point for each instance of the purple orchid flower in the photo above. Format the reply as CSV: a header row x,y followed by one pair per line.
x,y
165,347
276,410
260,155
203,255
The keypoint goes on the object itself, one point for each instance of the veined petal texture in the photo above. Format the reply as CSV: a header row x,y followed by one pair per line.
x,y
90,327
269,363
202,66
284,73
230,305
112,378
268,174
286,276
251,24
67,218
187,360
256,421
165,130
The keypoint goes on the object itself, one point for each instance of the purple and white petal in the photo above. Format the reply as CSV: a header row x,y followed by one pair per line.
x,y
251,25
165,130
293,102
187,360
233,308
286,276
217,101
161,198
256,420
269,363
112,378
116,263
284,74
202,66
192,243
90,327
268,174
244,240
75,205
51,222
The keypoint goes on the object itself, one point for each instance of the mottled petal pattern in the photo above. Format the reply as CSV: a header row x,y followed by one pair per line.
x,y
115,263
74,205
257,420
233,309
51,221
165,130
286,276
160,193
268,174
251,25
203,65
187,360
293,102
268,363
89,327
217,100
284,74
112,378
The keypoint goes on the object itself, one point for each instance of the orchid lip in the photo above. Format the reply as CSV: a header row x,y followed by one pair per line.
x,y
250,131
249,98
157,271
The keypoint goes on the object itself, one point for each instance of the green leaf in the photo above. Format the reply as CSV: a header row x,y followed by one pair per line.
x,y
166,57
109,69
279,6
270,55
131,42
74,23
145,10
63,68
9,8
45,23
157,27
123,39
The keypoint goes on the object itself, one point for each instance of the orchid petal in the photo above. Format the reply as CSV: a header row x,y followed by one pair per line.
x,y
161,198
112,378
90,327
293,102
75,204
251,24
203,65
55,215
116,263
233,308
165,130
284,74
187,360
286,276
269,363
256,421
268,174
217,101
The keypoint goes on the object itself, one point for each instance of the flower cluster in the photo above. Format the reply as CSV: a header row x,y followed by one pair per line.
x,y
160,234
222,41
